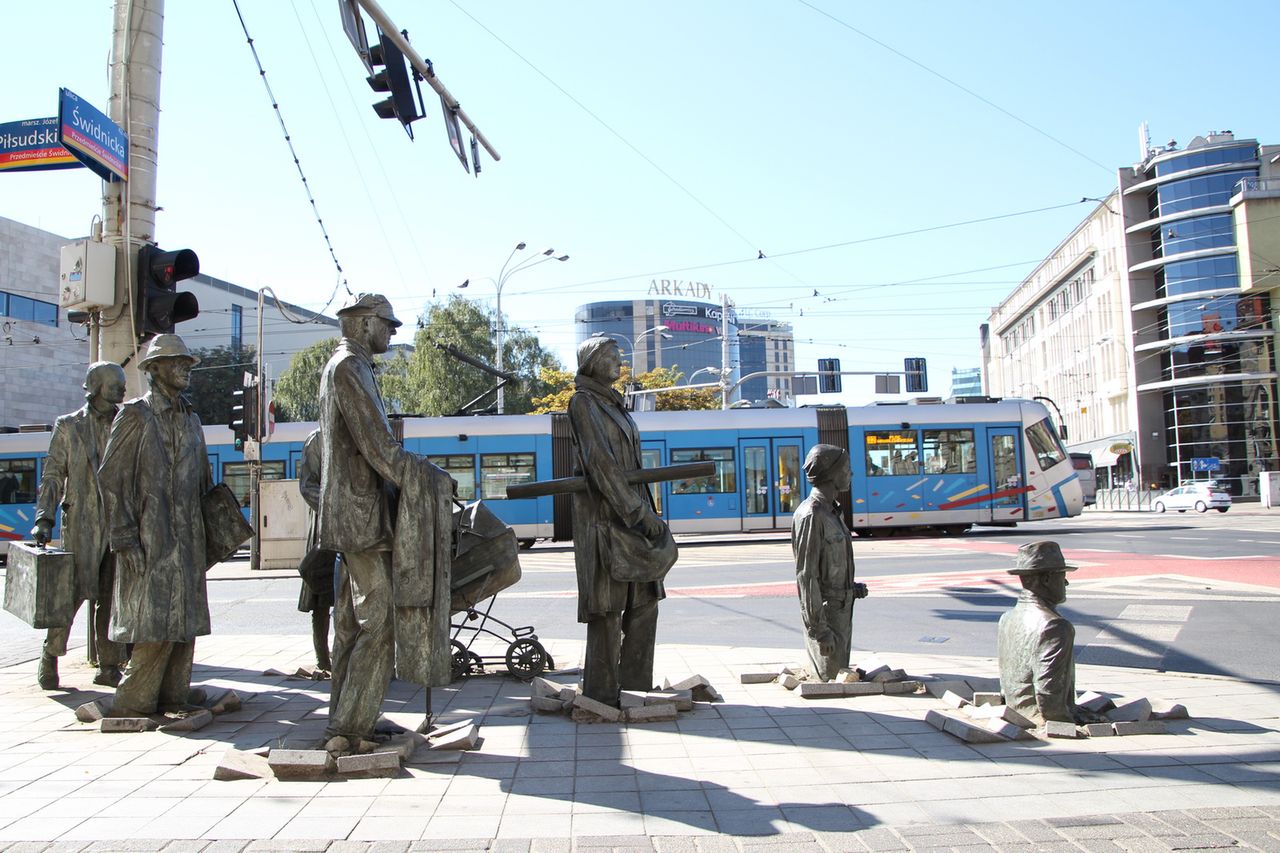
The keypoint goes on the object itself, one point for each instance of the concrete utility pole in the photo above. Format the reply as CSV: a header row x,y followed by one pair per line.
x,y
129,208
726,386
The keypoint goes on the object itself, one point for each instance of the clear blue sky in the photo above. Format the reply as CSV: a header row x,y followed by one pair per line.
x,y
665,140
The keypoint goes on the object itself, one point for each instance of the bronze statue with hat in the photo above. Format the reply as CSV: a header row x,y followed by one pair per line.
x,y
1035,643
154,475
388,513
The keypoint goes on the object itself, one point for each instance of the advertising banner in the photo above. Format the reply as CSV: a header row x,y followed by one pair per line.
x,y
31,145
92,138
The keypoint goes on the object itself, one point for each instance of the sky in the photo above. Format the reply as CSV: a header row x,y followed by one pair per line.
x,y
902,167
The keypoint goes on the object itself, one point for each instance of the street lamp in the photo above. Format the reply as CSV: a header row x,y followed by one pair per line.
x,y
504,274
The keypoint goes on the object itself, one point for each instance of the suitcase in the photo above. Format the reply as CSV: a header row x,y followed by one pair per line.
x,y
40,585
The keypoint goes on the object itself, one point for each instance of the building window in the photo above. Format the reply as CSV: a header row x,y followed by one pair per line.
x,y
237,328
30,310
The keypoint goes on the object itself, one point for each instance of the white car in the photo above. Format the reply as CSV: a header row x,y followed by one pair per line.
x,y
1197,496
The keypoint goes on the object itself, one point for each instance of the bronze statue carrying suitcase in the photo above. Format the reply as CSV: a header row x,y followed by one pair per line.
x,y
40,585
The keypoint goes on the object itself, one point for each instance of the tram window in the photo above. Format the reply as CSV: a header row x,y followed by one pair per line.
x,y
949,451
462,468
723,480
891,452
17,481
1044,442
236,476
500,470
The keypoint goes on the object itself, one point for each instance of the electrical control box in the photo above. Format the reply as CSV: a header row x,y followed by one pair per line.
x,y
87,276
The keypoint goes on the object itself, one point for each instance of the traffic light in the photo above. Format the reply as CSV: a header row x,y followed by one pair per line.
x,y
158,303
829,376
244,415
917,377
394,79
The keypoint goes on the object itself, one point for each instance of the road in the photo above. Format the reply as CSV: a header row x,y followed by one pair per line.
x,y
1187,593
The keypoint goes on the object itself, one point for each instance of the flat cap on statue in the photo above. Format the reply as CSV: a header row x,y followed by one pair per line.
x,y
369,304
167,346
1042,556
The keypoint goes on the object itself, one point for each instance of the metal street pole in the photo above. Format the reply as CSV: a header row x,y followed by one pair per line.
x,y
725,386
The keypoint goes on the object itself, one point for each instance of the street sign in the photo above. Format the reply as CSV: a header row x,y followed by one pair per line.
x,y
1206,463
31,145
92,138
454,130
353,26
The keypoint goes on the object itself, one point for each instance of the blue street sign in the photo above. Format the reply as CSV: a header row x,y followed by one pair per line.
x,y
92,138
1206,463
32,144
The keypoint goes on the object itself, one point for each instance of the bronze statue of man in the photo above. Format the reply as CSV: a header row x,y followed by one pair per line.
x,y
387,512
1035,644
621,547
316,567
154,473
70,478
823,551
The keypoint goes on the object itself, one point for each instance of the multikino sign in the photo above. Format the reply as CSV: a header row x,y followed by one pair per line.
x,y
92,138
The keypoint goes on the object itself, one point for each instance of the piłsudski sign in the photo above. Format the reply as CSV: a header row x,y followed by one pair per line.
x,y
675,287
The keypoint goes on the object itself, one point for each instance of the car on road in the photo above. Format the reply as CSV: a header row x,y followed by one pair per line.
x,y
1198,496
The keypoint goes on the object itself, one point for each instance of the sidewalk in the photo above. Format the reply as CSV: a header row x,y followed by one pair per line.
x,y
763,768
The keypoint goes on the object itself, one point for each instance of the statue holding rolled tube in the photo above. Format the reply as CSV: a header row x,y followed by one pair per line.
x,y
154,473
823,551
389,514
70,478
1035,644
621,548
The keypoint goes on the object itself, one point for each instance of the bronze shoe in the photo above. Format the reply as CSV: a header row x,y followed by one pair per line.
x,y
47,674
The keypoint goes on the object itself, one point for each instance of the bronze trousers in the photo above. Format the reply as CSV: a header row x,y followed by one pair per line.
x,y
158,676
838,616
363,644
108,653
620,652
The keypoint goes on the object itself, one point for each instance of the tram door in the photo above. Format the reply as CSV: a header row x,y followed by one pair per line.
x,y
772,478
651,453
1006,475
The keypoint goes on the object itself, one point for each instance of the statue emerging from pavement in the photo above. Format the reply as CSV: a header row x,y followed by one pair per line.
x,y
154,473
1035,644
316,567
70,478
622,549
823,551
389,514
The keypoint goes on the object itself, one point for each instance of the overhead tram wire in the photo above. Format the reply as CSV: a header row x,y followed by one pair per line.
x,y
275,105
1019,119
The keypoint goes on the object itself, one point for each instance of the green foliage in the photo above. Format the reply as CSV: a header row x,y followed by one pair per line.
x,y
221,371
560,385
297,391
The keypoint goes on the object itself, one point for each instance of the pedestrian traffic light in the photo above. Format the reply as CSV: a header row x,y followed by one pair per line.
x,y
829,376
244,421
394,79
917,377
157,302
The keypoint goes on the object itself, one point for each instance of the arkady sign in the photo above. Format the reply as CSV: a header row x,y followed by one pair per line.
x,y
675,287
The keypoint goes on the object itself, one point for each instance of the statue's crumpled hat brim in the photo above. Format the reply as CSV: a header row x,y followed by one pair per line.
x,y
369,304
1040,557
167,346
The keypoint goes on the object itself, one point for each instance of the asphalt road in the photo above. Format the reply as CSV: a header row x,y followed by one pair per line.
x,y
1189,593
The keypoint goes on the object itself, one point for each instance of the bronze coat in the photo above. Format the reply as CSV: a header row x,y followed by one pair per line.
x,y
608,445
73,463
151,494
1035,647
361,461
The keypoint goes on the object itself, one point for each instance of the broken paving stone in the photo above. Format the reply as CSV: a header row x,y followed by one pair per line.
x,y
274,672
890,676
1140,727
899,687
226,703
1174,712
757,677
91,712
236,764
939,688
567,694
1059,729
999,712
834,689
690,683
955,700
631,699
663,713
965,730
547,704
1099,730
189,722
988,699
123,725
464,738
1139,710
1093,701
604,712
704,693
402,745
300,763
789,681
1005,729
450,727
681,699
374,764
540,686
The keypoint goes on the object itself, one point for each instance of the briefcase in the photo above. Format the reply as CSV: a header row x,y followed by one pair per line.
x,y
484,556
225,529
40,585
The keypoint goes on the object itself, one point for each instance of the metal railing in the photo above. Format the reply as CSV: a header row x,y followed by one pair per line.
x,y
1123,500
1257,185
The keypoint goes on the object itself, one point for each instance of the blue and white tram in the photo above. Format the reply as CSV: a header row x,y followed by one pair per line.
x,y
940,466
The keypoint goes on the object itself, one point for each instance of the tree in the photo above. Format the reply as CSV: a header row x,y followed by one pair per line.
x,y
297,391
560,383
221,371
432,382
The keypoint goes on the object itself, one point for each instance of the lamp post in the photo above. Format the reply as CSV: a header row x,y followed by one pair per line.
x,y
504,274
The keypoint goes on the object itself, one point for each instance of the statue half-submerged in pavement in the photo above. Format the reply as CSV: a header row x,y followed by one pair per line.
x,y
70,478
823,551
1035,644
621,548
389,514
154,473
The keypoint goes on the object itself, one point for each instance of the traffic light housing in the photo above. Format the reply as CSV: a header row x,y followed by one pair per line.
x,y
829,376
917,377
244,421
394,79
158,302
